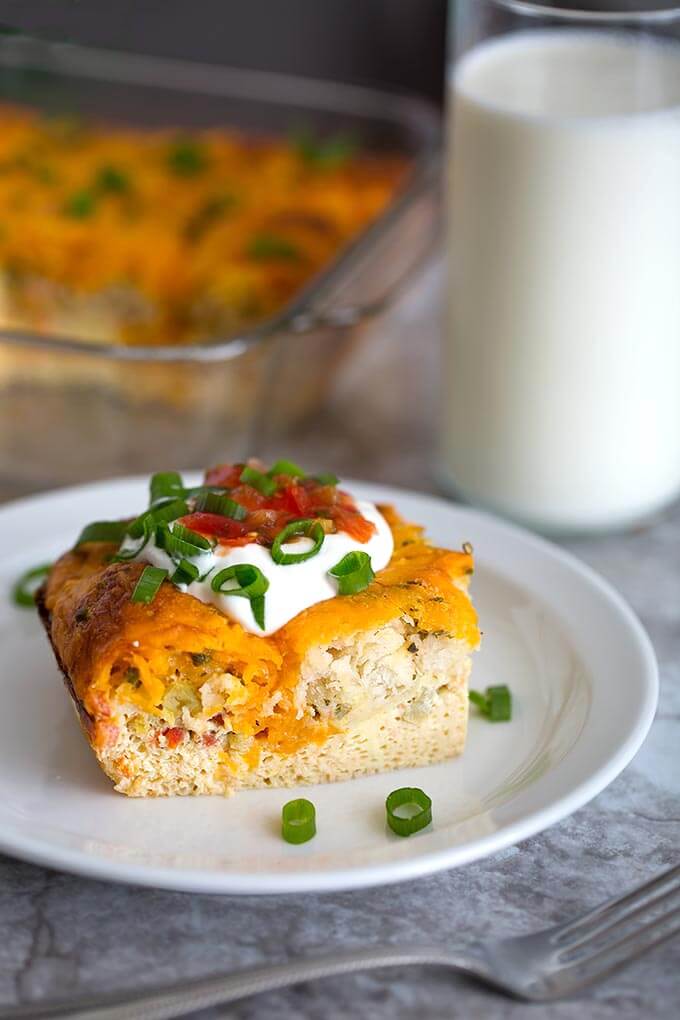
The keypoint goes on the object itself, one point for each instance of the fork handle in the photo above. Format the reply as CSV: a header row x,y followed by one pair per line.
x,y
188,997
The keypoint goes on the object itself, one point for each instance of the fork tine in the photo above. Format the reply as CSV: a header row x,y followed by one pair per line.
x,y
609,958
615,909
618,920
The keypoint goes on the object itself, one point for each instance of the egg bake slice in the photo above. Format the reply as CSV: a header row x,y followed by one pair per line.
x,y
176,697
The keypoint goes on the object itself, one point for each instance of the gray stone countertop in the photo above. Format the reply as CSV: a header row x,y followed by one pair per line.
x,y
60,934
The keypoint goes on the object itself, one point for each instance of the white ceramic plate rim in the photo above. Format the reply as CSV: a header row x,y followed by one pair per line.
x,y
40,851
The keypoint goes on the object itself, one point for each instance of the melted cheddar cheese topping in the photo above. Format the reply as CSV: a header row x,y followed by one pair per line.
x,y
102,638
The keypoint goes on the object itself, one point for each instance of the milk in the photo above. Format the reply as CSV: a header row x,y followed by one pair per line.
x,y
562,386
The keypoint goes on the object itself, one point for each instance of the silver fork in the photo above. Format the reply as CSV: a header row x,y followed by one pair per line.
x,y
550,964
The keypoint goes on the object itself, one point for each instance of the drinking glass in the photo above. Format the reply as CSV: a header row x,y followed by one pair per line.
x,y
561,381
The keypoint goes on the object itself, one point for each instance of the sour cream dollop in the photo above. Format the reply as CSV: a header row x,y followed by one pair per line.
x,y
292,587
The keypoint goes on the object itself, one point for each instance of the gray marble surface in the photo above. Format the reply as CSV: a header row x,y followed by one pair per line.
x,y
60,934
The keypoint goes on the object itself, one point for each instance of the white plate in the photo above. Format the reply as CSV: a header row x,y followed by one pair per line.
x,y
581,668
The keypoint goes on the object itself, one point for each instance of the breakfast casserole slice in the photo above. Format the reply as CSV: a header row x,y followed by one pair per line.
x,y
265,629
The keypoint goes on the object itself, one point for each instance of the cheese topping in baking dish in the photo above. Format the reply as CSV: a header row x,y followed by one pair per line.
x,y
292,587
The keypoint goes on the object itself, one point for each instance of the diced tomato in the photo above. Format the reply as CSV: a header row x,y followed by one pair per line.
x,y
215,526
268,515
353,523
249,497
293,498
224,475
174,735
267,524
209,739
324,495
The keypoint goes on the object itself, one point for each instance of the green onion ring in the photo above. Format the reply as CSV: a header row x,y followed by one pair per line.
x,y
286,467
250,581
353,573
263,484
180,542
307,527
143,526
495,703
103,531
25,587
250,584
298,821
410,797
216,503
165,484
150,580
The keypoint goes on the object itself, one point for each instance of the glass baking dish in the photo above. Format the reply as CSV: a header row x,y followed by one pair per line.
x,y
73,410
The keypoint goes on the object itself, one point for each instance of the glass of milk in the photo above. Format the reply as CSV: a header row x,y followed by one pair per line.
x,y
562,346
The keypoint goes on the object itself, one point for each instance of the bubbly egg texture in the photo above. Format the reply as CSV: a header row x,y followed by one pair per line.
x,y
293,587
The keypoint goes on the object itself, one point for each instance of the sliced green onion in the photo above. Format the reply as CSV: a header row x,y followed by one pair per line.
x,y
324,153
500,703
408,810
298,821
263,484
186,157
186,573
80,204
250,584
479,699
111,178
180,542
142,529
270,246
307,528
287,467
165,485
169,511
216,503
23,592
150,580
161,514
103,531
257,609
326,479
495,703
353,573
250,581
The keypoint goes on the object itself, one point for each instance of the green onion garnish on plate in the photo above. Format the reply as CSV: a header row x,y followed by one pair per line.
x,y
298,821
495,703
264,484
326,479
408,810
150,580
244,580
23,592
215,503
306,527
103,531
353,573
